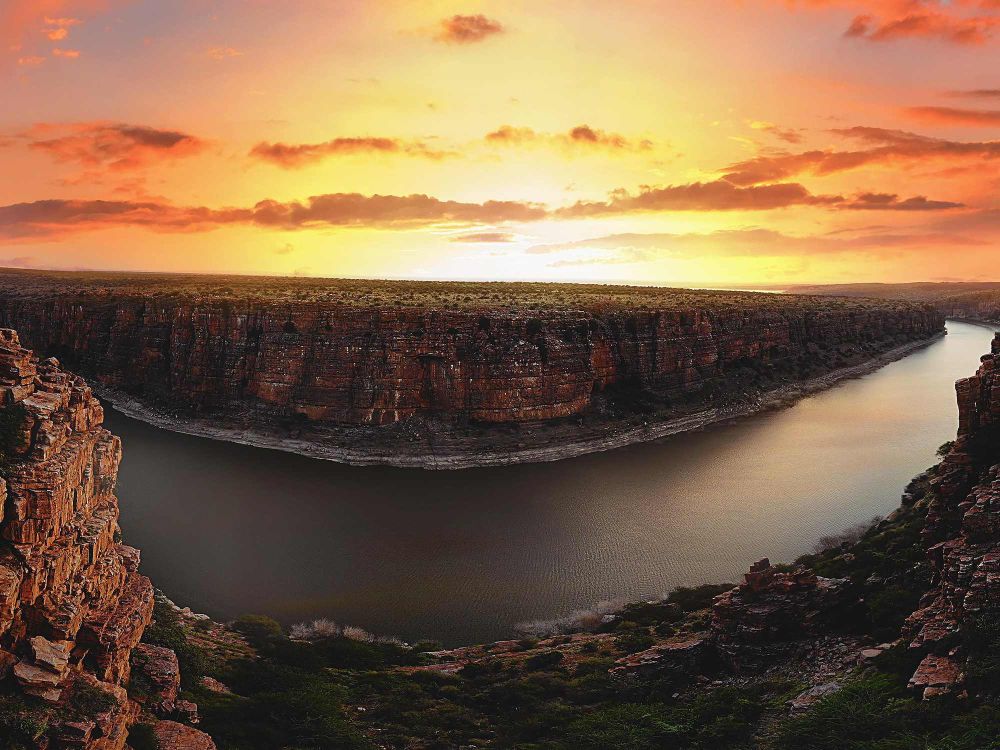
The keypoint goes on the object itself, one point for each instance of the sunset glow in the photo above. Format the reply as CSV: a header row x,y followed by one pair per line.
x,y
692,142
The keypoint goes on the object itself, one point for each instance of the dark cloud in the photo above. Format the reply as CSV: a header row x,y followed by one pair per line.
x,y
467,29
112,146
720,195
48,218
292,156
892,202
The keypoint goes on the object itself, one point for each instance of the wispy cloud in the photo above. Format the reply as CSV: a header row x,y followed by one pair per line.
x,y
886,147
954,116
222,53
297,155
580,136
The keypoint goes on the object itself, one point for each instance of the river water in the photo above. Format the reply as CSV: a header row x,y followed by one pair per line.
x,y
463,556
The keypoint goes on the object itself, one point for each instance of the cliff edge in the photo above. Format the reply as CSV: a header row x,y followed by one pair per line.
x,y
73,605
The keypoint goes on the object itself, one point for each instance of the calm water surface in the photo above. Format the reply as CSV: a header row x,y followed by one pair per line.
x,y
462,556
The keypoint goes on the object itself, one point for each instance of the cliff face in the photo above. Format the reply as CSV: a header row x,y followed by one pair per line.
x,y
73,605
963,537
368,361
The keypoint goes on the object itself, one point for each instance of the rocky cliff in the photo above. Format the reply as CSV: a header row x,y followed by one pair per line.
x,y
73,605
467,362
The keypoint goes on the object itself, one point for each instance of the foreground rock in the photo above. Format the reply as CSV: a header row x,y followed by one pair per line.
x,y
73,605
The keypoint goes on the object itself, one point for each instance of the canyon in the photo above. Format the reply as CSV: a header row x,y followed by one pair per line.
x,y
445,375
901,616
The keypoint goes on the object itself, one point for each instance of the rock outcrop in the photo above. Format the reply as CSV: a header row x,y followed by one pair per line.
x,y
73,604
754,622
341,355
963,537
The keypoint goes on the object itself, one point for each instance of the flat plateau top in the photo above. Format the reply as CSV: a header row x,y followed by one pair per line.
x,y
456,295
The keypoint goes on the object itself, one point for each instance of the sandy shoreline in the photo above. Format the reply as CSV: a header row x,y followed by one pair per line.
x,y
600,440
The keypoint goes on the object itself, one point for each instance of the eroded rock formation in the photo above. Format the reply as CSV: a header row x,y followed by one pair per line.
x,y
73,604
754,622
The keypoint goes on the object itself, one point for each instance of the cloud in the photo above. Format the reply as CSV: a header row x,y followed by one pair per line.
x,y
354,209
467,29
69,53
113,146
889,147
293,156
56,218
719,195
287,249
24,21
580,136
961,22
222,53
788,135
924,25
892,202
485,237
30,61
955,116
974,94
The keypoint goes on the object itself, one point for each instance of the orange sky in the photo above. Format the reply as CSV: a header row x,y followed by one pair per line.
x,y
701,142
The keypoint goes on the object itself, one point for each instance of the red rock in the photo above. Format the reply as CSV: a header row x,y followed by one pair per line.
x,y
161,673
72,604
752,623
251,362
936,675
174,736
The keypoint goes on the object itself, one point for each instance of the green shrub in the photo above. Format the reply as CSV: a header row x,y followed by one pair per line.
x,y
142,737
22,721
544,660
259,630
692,598
634,641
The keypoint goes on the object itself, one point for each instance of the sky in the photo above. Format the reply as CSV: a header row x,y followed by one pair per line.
x,y
687,142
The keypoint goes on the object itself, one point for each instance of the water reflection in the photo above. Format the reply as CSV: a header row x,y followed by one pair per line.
x,y
462,556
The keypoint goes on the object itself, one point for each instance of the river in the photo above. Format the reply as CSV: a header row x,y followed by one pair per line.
x,y
463,556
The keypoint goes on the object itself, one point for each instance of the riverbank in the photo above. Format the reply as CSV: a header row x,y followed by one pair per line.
x,y
442,450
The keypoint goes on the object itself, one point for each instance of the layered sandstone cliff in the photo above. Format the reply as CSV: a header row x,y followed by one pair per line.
x,y
73,605
316,362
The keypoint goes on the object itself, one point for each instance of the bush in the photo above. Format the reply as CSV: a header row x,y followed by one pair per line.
x,y
259,630
22,721
544,660
634,641
142,737
693,598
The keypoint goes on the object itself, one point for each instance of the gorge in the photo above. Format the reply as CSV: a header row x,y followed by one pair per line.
x,y
464,556
889,635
